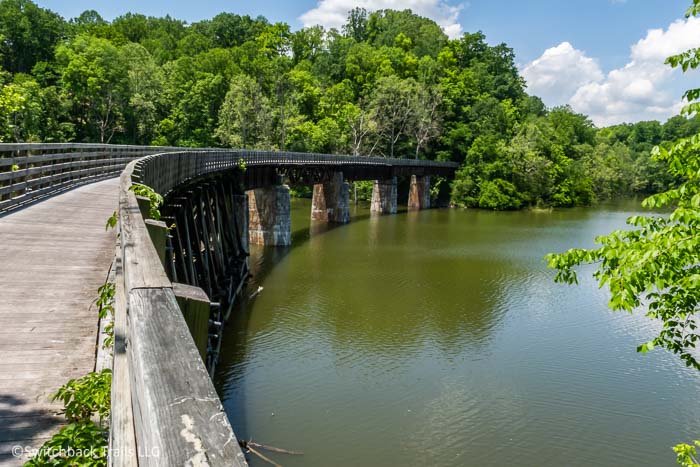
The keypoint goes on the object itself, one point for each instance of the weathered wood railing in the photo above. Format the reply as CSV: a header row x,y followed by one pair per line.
x,y
165,410
32,171
171,392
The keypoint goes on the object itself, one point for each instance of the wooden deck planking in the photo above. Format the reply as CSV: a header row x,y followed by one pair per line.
x,y
53,257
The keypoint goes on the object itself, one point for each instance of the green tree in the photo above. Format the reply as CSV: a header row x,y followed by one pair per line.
x,y
356,24
656,264
393,105
244,120
94,77
499,195
145,85
29,34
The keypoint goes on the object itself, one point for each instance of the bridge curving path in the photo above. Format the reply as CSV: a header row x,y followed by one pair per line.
x,y
53,256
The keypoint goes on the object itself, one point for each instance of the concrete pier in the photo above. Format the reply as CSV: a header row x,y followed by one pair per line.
x,y
384,196
269,216
419,193
331,200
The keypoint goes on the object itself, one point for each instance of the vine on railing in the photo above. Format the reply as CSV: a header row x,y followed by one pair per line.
x,y
105,303
156,200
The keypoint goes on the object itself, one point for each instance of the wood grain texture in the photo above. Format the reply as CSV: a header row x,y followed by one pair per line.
x,y
142,265
55,255
122,439
177,411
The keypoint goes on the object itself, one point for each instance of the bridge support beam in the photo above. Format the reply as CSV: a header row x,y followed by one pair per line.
x,y
331,201
384,196
195,306
419,193
269,218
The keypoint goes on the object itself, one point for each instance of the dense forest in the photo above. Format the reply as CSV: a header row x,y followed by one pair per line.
x,y
390,83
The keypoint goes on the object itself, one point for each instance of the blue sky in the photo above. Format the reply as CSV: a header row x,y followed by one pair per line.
x,y
592,38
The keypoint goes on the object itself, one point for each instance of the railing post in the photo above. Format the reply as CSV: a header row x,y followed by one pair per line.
x,y
158,232
195,306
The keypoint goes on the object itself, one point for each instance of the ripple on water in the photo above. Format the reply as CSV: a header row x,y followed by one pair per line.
x,y
439,338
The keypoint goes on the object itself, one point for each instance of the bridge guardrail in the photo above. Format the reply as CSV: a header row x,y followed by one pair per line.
x,y
32,171
165,410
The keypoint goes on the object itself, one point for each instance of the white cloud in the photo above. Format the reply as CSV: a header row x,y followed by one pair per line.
x,y
333,13
559,72
645,88
659,44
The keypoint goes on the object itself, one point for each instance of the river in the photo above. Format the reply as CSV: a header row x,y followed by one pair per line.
x,y
438,338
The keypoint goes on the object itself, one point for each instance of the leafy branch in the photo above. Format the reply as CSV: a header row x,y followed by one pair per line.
x,y
156,200
686,454
112,221
86,396
80,443
105,305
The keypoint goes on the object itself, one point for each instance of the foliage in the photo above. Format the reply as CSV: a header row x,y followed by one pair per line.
x,y
112,221
301,191
80,443
155,200
657,262
499,195
245,116
686,454
388,83
29,34
86,396
105,305
362,190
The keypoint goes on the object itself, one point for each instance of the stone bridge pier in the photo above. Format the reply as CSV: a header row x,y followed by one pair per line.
x,y
384,196
269,216
419,192
331,200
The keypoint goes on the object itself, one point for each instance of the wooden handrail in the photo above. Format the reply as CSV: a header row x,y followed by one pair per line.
x,y
32,171
165,410
164,405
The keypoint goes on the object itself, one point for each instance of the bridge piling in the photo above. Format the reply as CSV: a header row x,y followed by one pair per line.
x,y
269,218
384,196
419,193
331,200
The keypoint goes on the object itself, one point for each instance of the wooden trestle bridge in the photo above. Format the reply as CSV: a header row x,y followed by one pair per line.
x,y
176,278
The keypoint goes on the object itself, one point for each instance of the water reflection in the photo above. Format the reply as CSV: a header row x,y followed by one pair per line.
x,y
438,338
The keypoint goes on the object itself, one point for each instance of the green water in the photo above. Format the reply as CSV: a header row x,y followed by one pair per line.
x,y
438,338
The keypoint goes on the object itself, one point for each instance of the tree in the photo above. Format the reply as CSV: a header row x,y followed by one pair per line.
x,y
29,34
360,124
657,263
94,75
393,105
356,25
427,117
145,84
245,116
